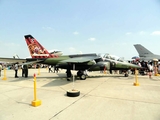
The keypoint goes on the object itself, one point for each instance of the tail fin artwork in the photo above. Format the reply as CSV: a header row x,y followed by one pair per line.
x,y
36,49
142,51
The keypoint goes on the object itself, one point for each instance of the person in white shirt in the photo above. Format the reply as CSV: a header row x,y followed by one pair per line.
x,y
150,68
16,70
50,68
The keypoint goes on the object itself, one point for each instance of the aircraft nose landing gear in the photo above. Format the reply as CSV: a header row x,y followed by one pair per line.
x,y
126,74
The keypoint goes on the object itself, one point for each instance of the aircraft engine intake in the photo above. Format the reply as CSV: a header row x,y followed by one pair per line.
x,y
92,62
100,66
113,64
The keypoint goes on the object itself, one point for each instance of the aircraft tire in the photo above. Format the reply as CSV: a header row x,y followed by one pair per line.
x,y
79,73
83,77
73,93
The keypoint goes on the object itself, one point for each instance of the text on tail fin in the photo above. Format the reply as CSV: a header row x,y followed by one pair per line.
x,y
142,51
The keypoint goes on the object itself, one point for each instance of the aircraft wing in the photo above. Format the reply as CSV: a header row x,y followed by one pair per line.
x,y
12,60
79,59
32,62
20,61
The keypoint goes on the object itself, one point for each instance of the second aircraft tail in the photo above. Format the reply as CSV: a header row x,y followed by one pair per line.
x,y
142,51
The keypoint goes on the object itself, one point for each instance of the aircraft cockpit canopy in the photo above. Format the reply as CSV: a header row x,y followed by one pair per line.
x,y
121,59
113,57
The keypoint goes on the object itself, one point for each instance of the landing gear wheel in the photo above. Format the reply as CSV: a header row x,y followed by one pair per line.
x,y
83,77
79,73
73,93
68,79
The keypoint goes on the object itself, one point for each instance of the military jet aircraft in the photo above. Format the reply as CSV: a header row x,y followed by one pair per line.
x,y
79,62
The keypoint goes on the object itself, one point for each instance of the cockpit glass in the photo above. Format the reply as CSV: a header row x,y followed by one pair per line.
x,y
112,57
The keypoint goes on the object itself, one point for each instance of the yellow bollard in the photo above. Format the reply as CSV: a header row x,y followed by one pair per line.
x,y
4,78
35,102
136,78
38,71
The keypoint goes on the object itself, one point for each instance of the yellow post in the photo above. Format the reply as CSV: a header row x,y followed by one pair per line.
x,y
155,68
136,78
4,78
38,71
35,102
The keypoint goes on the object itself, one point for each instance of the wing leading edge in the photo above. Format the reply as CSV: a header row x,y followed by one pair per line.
x,y
79,59
12,60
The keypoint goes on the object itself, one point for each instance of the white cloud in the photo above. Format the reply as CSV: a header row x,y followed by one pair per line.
x,y
128,33
72,49
142,32
11,44
75,33
48,28
92,39
155,33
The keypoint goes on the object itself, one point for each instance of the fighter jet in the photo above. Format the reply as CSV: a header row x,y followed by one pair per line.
x,y
79,62
144,53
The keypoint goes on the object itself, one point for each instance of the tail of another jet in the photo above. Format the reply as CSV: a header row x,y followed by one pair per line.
x,y
36,49
142,51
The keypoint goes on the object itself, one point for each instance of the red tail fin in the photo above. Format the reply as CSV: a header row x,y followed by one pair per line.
x,y
36,49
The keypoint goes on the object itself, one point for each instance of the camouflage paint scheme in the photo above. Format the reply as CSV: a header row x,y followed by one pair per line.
x,y
90,62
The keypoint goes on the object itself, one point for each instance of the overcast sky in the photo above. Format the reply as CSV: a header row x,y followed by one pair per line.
x,y
80,26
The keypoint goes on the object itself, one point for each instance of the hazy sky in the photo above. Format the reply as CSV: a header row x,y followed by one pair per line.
x,y
74,26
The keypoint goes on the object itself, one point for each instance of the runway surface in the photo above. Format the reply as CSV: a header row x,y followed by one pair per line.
x,y
102,97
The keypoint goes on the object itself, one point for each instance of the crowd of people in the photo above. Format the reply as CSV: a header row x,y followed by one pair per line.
x,y
55,69
24,68
148,67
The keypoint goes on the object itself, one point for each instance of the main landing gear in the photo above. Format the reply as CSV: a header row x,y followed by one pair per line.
x,y
81,74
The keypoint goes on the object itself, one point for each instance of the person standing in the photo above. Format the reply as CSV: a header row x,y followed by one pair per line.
x,y
25,67
16,70
150,68
23,73
0,69
50,68
158,68
57,69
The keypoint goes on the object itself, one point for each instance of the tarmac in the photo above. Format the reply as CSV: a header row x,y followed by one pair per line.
x,y
102,97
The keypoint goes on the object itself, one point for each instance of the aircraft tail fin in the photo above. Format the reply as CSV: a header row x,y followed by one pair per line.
x,y
36,49
142,51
